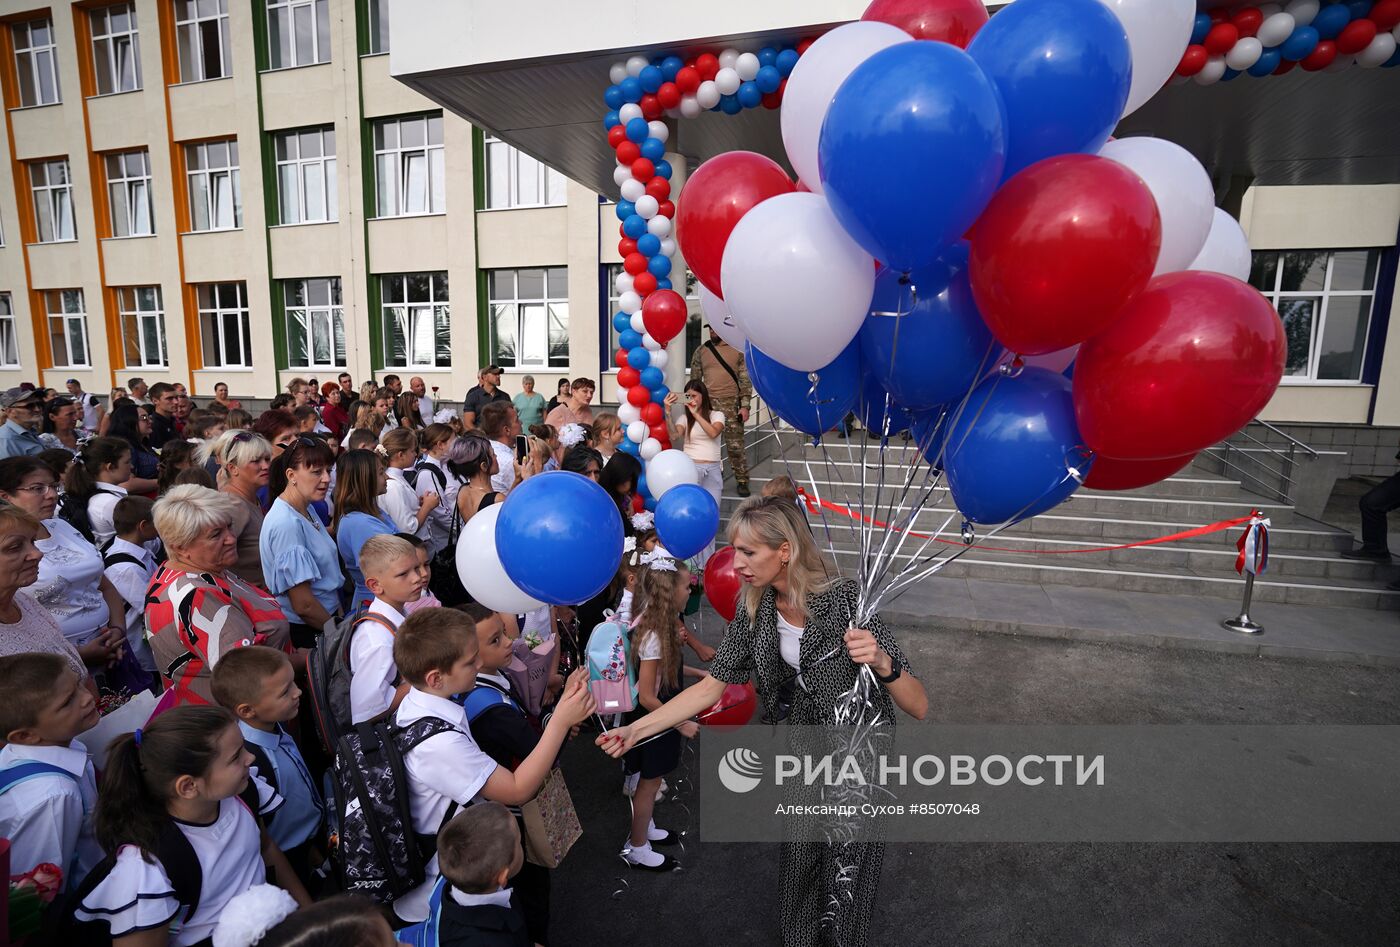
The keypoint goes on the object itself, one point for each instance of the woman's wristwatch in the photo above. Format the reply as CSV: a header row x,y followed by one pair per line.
x,y
893,675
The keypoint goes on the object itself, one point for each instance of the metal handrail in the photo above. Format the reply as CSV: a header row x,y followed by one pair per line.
x,y
1287,437
1256,479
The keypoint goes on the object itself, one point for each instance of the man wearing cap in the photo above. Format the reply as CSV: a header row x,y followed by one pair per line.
x,y
22,414
488,389
91,406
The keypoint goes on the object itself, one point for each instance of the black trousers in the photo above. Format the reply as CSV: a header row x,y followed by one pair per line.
x,y
1379,501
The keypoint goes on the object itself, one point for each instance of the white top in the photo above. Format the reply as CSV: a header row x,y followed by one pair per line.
x,y
399,502
138,895
90,404
699,446
437,528
445,768
99,511
131,581
68,583
372,668
504,478
49,818
501,898
539,622
789,642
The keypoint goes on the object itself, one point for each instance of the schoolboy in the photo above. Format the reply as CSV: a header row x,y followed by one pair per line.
x,y
390,565
129,565
479,851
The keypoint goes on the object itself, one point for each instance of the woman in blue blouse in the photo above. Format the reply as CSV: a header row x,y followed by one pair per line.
x,y
299,557
360,481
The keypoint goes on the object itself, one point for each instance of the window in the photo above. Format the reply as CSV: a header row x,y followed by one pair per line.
x,y
36,63
530,318
315,323
298,32
223,325
416,320
201,39
116,49
1324,299
408,166
53,200
306,191
215,200
143,326
514,179
9,340
378,26
68,339
129,193
695,335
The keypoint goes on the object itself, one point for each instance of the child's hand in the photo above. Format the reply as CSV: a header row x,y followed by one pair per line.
x,y
689,729
577,704
430,500
617,742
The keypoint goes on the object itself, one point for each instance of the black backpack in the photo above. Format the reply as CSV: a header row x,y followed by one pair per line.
x,y
410,475
75,514
328,674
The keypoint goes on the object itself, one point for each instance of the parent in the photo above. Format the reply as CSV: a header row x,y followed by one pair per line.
x,y
133,425
574,409
721,367
221,397
360,480
197,608
487,391
529,404
243,461
333,413
61,417
501,426
298,554
699,427
791,629
473,461
23,408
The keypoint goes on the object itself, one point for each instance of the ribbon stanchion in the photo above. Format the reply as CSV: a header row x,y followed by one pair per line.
x,y
1252,560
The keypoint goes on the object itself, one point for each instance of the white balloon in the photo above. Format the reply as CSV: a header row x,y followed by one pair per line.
x,y
659,226
647,206
658,130
1211,72
707,95
668,469
668,247
638,323
1158,33
637,431
618,72
1378,53
659,358
628,112
1244,54
814,81
632,188
1185,197
690,106
650,344
1303,11
1226,249
727,81
649,449
727,58
623,282
1277,28
622,174
747,66
629,302
635,65
627,412
719,318
479,566
801,287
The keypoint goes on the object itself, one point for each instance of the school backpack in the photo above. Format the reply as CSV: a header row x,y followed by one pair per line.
x,y
610,674
411,474
74,512
377,852
328,671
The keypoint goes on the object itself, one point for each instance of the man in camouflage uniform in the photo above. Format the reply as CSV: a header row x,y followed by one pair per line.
x,y
721,367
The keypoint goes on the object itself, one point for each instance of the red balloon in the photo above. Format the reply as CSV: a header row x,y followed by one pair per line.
x,y
735,707
651,107
721,584
658,431
626,247
721,191
638,395
1192,61
707,65
1385,14
628,152
1356,36
804,45
644,284
628,377
1219,15
669,95
653,413
688,79
949,21
1186,364
773,100
1247,20
620,358
639,503
1285,65
616,136
1106,473
1221,39
1059,250
664,313
635,264
643,169
659,188
1322,56
668,209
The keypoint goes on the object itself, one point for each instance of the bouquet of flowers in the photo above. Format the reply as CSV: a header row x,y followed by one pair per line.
x,y
29,894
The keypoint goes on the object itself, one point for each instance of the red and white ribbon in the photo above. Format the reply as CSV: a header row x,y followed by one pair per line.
x,y
1254,547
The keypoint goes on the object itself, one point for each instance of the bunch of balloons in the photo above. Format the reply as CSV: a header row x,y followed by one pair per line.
x,y
1270,39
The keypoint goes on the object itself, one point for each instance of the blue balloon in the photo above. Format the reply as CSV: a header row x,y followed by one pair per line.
x,y
611,119
659,266
637,130
930,431
787,61
625,209
1393,61
1330,20
938,348
622,322
1301,44
629,339
652,377
648,244
637,356
730,104
650,503
1063,68
663,284
923,115
1229,74
768,79
670,66
651,78
642,487
663,169
659,393
635,225
1010,447
767,56
612,97
1201,27
1266,63
812,408
629,447
750,95
687,518
875,407
1359,8
571,515
631,89
653,149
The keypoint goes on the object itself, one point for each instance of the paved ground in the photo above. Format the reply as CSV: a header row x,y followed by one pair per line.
x,y
1029,894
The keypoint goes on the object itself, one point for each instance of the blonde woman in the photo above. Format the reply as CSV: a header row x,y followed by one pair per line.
x,y
242,461
367,419
793,633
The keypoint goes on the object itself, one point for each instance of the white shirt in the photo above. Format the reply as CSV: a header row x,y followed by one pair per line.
x,y
90,405
446,768
649,649
99,511
69,582
425,409
700,446
505,476
399,502
437,528
49,818
131,581
372,668
789,643
500,898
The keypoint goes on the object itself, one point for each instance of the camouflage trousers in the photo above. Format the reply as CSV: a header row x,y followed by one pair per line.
x,y
734,443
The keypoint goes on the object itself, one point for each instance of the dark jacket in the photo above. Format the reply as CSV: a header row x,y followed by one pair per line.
x,y
484,925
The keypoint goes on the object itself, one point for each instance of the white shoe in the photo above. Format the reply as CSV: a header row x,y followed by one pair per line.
x,y
660,790
659,836
629,784
642,856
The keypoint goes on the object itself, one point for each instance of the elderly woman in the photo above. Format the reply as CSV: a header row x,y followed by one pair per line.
x,y
25,625
242,460
529,404
197,608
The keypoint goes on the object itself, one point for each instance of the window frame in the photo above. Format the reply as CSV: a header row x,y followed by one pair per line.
x,y
320,32
68,319
231,171
414,310
101,16
330,202
132,318
52,196
9,332
377,27
27,59
219,313
1323,296
695,318
193,26
434,159
542,171
548,301
131,186
334,314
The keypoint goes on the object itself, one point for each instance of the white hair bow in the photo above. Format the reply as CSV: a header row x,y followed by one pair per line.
x,y
571,434
658,560
248,917
643,520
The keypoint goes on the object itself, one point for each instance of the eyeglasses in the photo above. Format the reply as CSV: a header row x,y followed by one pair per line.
x,y
39,489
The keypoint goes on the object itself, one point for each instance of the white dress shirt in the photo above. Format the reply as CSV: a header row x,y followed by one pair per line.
x,y
505,460
49,818
372,668
131,580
